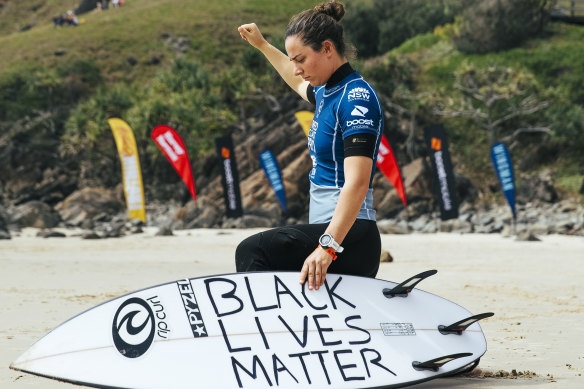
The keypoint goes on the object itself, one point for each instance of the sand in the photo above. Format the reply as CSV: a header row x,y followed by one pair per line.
x,y
535,339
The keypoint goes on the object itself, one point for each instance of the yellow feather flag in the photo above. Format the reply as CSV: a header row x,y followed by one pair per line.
x,y
131,172
305,119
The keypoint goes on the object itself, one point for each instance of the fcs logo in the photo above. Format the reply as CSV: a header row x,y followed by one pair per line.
x,y
359,111
358,94
133,328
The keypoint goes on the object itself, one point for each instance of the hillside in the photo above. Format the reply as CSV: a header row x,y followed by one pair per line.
x,y
182,63
552,63
139,30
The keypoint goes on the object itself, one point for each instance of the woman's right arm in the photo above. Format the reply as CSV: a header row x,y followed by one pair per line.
x,y
280,61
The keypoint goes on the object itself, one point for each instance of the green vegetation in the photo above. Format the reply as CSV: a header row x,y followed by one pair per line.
x,y
182,63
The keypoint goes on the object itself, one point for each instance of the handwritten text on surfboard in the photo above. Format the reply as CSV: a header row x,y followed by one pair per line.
x,y
317,349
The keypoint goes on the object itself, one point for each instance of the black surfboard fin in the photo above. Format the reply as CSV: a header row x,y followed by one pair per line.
x,y
403,289
436,363
459,327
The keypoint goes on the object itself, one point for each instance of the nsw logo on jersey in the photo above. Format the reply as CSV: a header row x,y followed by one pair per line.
x,y
359,93
359,111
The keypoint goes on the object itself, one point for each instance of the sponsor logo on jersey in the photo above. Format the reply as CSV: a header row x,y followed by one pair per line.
x,y
133,327
320,105
359,111
191,306
360,123
359,93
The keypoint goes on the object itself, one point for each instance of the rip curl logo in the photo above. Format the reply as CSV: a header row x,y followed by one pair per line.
x,y
359,94
133,328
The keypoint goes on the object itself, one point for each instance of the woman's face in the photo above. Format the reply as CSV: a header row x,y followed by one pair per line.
x,y
313,66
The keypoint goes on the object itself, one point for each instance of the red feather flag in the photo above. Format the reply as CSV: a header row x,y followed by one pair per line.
x,y
171,144
388,165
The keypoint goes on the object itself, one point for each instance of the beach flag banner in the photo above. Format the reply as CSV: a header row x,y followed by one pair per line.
x,y
131,173
230,177
172,146
305,120
437,145
270,165
502,162
388,165
385,158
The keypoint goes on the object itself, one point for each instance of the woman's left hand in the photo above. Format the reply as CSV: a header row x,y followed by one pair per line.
x,y
315,268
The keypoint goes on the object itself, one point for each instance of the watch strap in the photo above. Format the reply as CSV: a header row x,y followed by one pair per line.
x,y
330,251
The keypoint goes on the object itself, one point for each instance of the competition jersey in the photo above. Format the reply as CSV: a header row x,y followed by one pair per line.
x,y
345,106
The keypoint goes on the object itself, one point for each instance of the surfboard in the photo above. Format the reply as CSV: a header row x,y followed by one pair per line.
x,y
262,330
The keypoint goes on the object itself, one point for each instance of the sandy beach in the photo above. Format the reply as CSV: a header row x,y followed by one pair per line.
x,y
535,339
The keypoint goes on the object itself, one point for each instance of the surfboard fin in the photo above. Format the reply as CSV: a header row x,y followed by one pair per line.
x,y
403,289
436,363
459,327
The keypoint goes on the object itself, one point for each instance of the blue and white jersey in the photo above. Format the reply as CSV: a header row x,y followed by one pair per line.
x,y
347,107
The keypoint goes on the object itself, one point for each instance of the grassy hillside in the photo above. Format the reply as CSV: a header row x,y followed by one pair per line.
x,y
555,66
182,62
139,29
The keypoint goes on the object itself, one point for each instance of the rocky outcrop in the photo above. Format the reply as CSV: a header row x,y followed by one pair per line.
x,y
90,203
35,214
565,217
48,197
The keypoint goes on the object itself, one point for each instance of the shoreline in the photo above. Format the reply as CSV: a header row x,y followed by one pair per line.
x,y
534,289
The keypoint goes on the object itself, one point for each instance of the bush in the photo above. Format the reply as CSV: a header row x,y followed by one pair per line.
x,y
384,24
494,25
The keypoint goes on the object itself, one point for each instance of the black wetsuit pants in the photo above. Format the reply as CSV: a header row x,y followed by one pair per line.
x,y
286,248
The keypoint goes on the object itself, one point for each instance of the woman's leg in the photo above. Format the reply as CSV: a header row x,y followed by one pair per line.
x,y
286,248
282,248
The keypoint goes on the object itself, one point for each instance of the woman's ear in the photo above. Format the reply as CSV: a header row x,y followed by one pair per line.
x,y
327,47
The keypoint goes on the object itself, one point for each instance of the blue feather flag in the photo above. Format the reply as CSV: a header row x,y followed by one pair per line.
x,y
272,170
504,168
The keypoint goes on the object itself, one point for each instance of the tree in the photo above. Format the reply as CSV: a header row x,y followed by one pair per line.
x,y
494,25
498,99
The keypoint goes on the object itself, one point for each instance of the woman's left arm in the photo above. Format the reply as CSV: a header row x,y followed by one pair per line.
x,y
357,176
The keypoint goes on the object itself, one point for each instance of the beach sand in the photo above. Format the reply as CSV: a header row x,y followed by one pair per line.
x,y
535,289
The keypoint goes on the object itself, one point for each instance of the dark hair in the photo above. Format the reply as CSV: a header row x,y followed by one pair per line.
x,y
314,26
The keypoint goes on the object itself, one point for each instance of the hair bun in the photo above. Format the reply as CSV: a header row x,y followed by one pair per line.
x,y
332,8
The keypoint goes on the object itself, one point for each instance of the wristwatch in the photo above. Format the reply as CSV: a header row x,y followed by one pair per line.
x,y
327,240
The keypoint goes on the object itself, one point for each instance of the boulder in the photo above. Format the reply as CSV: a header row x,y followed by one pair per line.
x,y
35,214
89,203
537,187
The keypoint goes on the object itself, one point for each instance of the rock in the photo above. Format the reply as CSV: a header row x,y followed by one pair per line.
x,y
164,231
527,236
430,227
115,230
50,234
199,214
3,219
539,187
4,235
88,203
90,235
394,227
248,221
35,214
420,223
456,226
385,256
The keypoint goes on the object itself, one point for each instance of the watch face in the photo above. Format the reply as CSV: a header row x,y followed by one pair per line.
x,y
326,240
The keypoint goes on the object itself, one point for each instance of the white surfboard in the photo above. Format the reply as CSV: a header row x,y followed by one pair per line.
x,y
261,330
